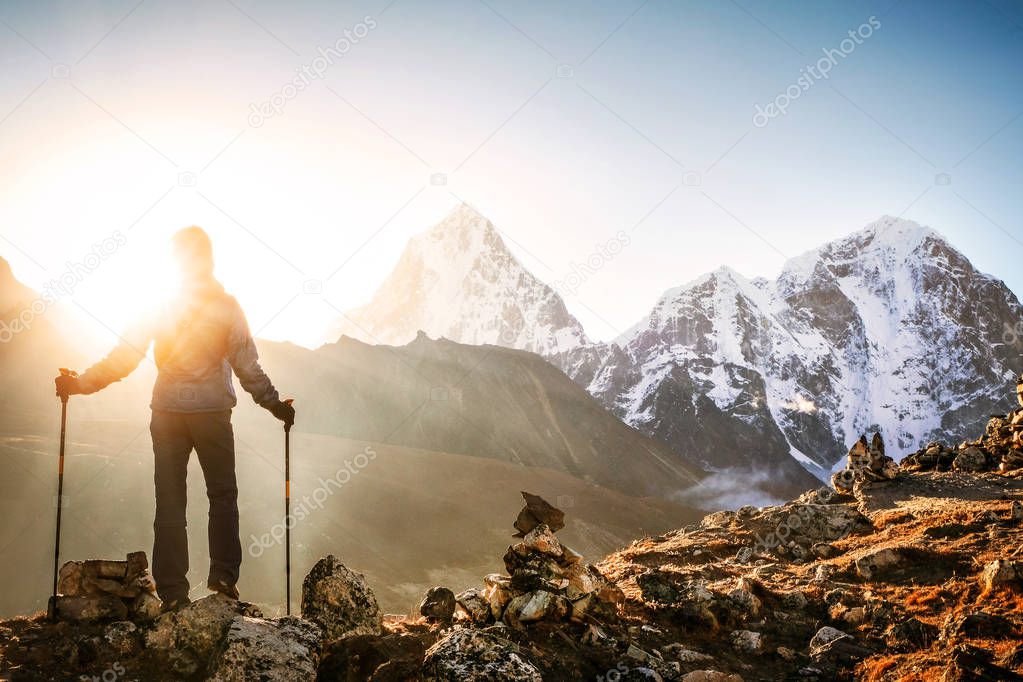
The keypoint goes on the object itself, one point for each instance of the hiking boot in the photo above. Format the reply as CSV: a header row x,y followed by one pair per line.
x,y
224,588
170,605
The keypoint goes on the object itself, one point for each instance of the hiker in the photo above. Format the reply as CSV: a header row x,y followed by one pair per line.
x,y
199,337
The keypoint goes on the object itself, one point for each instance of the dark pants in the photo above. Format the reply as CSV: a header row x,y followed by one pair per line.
x,y
175,434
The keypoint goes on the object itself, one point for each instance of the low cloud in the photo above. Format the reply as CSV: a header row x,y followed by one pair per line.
x,y
730,489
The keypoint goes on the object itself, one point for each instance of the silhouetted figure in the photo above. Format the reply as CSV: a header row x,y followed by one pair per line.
x,y
199,338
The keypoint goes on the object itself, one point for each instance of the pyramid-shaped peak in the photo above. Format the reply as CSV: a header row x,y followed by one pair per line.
x,y
462,219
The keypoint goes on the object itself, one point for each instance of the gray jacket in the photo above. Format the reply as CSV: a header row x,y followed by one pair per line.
x,y
199,338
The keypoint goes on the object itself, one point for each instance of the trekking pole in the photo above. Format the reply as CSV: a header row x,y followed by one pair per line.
x,y
287,511
52,610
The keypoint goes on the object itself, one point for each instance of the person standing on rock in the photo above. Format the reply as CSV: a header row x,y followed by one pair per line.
x,y
199,337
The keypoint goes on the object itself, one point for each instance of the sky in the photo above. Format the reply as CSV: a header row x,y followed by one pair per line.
x,y
312,139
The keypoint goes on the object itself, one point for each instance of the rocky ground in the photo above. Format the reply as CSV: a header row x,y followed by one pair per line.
x,y
915,578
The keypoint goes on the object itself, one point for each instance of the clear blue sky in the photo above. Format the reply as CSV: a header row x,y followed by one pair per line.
x,y
650,123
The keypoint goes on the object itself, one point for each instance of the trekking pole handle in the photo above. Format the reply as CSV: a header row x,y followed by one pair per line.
x,y
65,372
288,401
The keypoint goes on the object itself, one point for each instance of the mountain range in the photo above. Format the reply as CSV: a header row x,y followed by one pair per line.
x,y
888,329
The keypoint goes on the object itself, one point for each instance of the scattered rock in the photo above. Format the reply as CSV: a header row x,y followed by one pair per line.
x,y
438,604
1016,511
824,636
657,587
794,600
911,634
976,624
268,650
747,641
190,636
534,606
1000,572
474,656
339,600
969,663
537,511
473,604
542,539
680,653
871,565
92,607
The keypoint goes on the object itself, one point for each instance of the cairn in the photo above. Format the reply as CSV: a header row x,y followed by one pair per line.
x,y
100,589
546,581
866,463
999,448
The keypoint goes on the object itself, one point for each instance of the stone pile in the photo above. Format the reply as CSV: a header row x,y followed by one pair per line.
x,y
999,448
866,463
100,589
546,581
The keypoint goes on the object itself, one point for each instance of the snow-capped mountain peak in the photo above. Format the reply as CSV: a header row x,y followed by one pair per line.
x,y
889,328
459,280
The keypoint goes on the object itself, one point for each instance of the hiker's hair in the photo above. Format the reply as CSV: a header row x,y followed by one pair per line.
x,y
196,243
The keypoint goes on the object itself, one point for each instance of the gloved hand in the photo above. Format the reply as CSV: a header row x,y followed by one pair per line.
x,y
284,411
67,383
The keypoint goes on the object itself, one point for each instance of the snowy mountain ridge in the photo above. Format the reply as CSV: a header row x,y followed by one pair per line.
x,y
889,328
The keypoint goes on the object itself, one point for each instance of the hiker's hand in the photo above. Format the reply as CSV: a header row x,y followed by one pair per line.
x,y
283,410
67,384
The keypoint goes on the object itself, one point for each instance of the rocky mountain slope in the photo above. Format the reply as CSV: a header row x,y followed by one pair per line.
x,y
888,329
919,578
484,401
459,281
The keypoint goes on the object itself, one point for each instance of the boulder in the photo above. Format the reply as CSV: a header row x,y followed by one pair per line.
x,y
542,539
381,658
911,634
872,565
747,641
473,605
538,511
743,599
1000,572
824,636
189,637
145,607
268,650
91,607
836,647
657,587
438,604
534,606
1016,511
470,655
971,459
339,600
977,624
